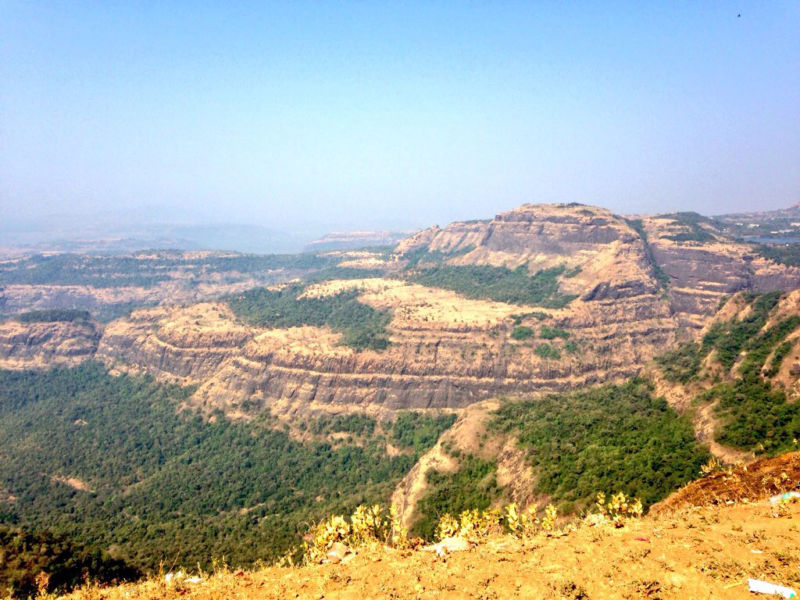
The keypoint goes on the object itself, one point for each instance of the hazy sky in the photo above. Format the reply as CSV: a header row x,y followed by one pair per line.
x,y
396,114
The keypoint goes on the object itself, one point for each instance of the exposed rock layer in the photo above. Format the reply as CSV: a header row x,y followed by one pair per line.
x,y
448,351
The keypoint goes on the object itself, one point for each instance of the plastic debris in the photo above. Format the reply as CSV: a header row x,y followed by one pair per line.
x,y
449,545
785,497
174,576
337,552
764,587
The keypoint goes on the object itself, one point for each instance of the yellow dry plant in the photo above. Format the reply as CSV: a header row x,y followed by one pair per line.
x,y
521,524
399,531
324,535
619,508
549,519
367,525
470,524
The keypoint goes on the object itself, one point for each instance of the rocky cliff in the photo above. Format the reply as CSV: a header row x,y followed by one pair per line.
x,y
40,345
448,351
704,267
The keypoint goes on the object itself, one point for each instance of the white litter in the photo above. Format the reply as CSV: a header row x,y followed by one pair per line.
x,y
764,587
449,545
785,497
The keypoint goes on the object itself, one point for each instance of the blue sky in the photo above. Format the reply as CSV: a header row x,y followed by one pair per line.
x,y
396,114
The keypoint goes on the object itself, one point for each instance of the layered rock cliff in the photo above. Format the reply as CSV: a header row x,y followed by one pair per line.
x,y
448,351
45,345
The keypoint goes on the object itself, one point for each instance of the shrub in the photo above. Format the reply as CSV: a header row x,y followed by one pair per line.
x,y
521,332
546,351
551,333
498,283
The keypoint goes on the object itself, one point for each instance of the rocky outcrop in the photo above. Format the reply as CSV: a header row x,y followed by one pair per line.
x,y
45,345
448,351
703,274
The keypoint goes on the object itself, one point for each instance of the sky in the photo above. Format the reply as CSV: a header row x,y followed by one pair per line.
x,y
395,114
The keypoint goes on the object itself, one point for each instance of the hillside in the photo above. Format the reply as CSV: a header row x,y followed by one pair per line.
x,y
693,552
536,357
111,285
542,298
733,393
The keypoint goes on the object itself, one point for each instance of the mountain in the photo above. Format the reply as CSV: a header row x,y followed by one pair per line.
x,y
735,390
212,403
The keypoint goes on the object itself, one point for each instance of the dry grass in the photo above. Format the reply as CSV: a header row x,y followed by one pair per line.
x,y
696,553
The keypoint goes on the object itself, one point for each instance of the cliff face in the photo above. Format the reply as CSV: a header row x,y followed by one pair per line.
x,y
39,345
710,267
448,351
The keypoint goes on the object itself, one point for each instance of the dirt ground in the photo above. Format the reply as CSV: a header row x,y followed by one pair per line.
x,y
698,552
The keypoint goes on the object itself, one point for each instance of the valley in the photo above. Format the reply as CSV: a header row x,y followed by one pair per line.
x,y
537,357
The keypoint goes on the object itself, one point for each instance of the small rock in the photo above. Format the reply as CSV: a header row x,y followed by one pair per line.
x,y
337,552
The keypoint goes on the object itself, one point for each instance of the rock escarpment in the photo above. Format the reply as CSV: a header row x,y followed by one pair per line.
x,y
704,267
49,344
448,351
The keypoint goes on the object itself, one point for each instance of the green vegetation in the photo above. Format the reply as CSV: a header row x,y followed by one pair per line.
x,y
427,257
166,485
658,272
473,485
144,269
329,273
551,333
147,269
498,283
539,315
54,315
692,221
547,351
419,430
612,437
521,332
753,415
730,338
682,364
355,424
781,352
361,326
24,555
572,347
785,254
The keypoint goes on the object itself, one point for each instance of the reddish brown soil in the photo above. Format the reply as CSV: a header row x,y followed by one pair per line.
x,y
757,480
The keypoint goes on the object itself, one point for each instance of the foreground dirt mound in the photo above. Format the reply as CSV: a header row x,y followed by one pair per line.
x,y
701,552
757,480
